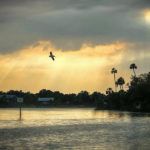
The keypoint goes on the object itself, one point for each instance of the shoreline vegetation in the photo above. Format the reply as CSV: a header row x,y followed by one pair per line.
x,y
135,99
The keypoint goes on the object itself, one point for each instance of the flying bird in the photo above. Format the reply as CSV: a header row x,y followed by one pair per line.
x,y
52,56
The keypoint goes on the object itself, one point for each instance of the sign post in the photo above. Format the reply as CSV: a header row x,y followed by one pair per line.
x,y
20,116
20,101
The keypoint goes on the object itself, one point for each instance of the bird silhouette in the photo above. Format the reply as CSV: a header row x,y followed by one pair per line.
x,y
52,56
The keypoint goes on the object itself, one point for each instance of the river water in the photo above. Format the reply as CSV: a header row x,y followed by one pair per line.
x,y
73,128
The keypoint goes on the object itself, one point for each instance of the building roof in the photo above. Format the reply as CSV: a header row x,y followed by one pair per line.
x,y
45,99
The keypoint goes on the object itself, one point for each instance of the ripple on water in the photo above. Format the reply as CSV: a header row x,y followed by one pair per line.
x,y
73,129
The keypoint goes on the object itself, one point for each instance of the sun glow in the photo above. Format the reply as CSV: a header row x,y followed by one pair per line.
x,y
147,16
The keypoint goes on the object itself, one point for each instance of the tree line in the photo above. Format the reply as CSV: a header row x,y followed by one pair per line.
x,y
135,98
82,99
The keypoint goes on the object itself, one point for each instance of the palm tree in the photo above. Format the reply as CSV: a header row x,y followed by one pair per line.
x,y
114,71
109,91
133,67
120,82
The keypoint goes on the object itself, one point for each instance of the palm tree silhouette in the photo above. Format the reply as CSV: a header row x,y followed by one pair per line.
x,y
133,67
120,82
109,91
114,71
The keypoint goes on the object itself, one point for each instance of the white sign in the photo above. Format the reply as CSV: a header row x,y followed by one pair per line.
x,y
20,100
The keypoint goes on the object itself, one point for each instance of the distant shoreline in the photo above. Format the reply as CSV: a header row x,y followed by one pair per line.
x,y
51,107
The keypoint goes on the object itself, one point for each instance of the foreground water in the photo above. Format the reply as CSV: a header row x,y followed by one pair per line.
x,y
42,129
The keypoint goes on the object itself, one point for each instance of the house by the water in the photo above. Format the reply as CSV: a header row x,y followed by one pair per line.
x,y
46,100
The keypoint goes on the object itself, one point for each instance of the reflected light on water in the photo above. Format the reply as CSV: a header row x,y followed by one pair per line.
x,y
76,129
53,116
112,115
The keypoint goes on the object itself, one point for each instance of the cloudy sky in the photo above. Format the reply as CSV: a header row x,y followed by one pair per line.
x,y
88,37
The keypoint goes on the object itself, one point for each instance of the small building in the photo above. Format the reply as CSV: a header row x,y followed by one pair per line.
x,y
45,100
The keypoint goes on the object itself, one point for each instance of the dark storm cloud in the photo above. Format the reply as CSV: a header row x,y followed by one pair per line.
x,y
70,23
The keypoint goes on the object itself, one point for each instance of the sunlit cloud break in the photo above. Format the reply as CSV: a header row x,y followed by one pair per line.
x,y
147,16
30,69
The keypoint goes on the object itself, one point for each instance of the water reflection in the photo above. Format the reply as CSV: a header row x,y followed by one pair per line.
x,y
39,117
73,129
118,114
66,113
111,115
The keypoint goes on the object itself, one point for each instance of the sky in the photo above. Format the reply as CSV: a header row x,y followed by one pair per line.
x,y
88,37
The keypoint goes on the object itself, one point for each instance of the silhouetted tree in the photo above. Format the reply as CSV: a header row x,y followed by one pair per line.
x,y
98,99
114,71
109,91
45,93
133,67
83,98
139,93
120,82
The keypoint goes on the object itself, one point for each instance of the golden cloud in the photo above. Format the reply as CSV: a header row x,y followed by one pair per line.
x,y
31,69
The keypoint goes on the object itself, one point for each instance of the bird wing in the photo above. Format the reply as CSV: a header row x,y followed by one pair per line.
x,y
53,58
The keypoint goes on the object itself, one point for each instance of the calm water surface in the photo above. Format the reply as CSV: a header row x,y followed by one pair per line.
x,y
85,129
